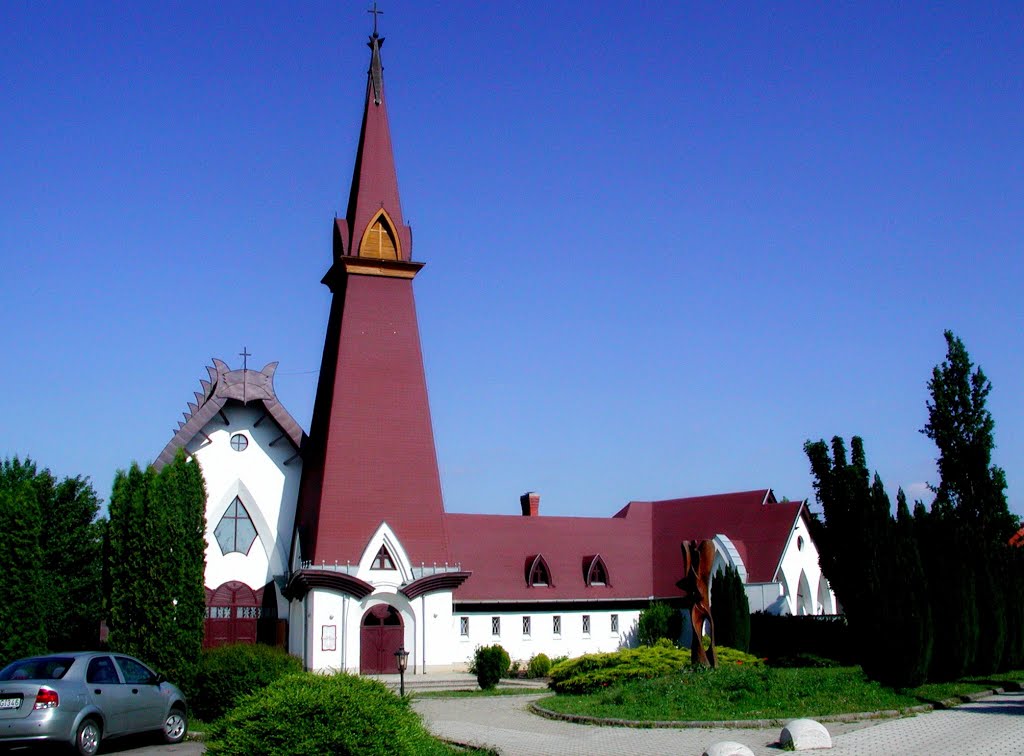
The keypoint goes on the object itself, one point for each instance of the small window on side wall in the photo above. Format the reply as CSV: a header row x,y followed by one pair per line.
x,y
556,625
586,624
495,625
464,627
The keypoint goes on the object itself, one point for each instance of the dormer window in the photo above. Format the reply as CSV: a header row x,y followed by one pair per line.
x,y
537,573
595,573
383,560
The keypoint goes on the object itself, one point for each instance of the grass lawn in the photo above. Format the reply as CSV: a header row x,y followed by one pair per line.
x,y
752,693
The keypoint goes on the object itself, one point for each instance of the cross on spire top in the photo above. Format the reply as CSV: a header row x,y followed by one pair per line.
x,y
375,13
245,355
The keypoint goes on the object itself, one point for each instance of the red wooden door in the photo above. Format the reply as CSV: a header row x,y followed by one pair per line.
x,y
231,615
380,636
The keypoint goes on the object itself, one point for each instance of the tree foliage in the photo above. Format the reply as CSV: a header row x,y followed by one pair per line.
x,y
53,542
956,573
658,620
156,560
21,611
730,610
864,549
961,426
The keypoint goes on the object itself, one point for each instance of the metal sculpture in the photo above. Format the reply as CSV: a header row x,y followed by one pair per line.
x,y
698,558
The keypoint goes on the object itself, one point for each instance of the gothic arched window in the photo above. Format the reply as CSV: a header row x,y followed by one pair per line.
x,y
235,531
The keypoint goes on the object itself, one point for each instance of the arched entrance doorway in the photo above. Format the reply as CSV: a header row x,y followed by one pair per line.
x,y
231,614
380,635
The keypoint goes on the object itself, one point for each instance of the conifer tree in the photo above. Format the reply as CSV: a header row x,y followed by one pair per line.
x,y
21,611
962,428
71,545
156,564
730,609
862,551
67,538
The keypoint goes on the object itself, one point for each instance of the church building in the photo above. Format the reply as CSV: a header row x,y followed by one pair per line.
x,y
337,546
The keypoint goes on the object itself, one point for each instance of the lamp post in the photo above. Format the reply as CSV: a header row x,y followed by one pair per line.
x,y
402,657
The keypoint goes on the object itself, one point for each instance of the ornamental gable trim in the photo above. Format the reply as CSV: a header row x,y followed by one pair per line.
x,y
244,386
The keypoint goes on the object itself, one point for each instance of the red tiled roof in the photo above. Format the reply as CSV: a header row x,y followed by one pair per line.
x,y
640,546
494,548
757,525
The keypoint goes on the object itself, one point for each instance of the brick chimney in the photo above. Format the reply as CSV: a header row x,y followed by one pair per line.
x,y
531,504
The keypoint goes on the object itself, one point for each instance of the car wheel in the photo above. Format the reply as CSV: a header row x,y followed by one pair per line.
x,y
87,737
175,726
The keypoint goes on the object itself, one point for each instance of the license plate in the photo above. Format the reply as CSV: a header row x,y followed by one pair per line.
x,y
10,703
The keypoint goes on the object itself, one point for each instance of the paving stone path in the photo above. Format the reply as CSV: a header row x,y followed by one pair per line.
x,y
994,725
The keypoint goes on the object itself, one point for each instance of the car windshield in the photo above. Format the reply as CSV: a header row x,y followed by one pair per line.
x,y
45,668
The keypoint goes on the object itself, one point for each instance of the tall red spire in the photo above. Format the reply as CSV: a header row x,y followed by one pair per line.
x,y
374,194
370,457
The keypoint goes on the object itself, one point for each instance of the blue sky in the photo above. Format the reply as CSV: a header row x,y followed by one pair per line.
x,y
665,242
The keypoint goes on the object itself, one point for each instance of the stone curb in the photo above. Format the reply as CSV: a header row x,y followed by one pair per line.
x,y
761,723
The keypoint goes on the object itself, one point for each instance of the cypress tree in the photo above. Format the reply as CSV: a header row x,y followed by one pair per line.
x,y
962,428
862,551
730,609
71,545
970,507
156,551
21,612
65,553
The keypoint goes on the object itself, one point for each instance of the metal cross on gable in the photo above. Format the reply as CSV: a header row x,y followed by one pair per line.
x,y
245,355
375,13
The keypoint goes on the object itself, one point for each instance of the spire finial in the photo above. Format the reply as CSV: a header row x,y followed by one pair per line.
x,y
376,69
375,13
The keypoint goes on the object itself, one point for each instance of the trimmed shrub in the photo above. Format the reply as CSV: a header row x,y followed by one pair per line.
x,y
308,714
227,673
658,620
729,657
490,663
592,671
539,666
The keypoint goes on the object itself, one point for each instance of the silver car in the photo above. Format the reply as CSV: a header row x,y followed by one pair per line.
x,y
81,698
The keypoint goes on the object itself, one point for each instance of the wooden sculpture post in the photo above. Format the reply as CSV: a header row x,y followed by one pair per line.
x,y
698,557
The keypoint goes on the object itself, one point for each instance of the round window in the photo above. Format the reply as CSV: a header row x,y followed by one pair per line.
x,y
239,442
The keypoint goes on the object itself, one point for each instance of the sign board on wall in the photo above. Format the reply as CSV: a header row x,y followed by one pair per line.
x,y
329,638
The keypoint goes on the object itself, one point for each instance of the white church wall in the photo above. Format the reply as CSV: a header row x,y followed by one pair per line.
x,y
800,574
576,636
259,478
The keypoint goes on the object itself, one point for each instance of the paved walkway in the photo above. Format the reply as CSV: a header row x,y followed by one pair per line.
x,y
994,725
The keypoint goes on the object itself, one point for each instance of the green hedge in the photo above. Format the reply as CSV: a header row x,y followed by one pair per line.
x,y
785,637
227,673
591,672
309,714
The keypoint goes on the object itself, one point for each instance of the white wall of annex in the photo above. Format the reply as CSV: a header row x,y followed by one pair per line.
x,y
572,641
